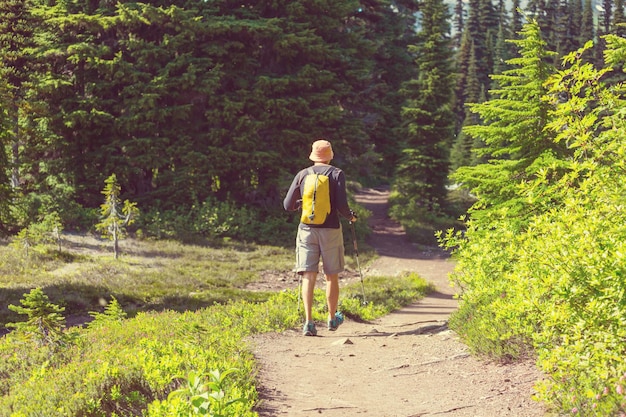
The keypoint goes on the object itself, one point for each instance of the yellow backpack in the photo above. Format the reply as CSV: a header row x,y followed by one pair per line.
x,y
315,198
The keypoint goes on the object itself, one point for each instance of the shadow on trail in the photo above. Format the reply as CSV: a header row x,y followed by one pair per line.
x,y
421,330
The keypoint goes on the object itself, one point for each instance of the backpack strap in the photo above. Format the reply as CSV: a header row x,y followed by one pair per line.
x,y
311,172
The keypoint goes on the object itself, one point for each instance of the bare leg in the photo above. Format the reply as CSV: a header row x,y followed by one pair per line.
x,y
308,287
332,294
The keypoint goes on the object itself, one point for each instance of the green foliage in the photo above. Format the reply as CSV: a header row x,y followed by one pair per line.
x,y
215,220
180,99
147,277
115,217
45,323
38,235
205,395
112,312
422,220
555,287
513,129
421,173
133,366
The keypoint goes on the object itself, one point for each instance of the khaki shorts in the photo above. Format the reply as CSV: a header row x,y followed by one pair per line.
x,y
313,243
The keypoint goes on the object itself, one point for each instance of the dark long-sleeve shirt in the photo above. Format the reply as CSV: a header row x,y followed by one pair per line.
x,y
338,197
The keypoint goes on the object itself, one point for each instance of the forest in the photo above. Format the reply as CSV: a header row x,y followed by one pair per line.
x,y
212,106
499,128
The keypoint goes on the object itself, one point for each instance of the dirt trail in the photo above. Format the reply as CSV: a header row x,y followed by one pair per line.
x,y
406,364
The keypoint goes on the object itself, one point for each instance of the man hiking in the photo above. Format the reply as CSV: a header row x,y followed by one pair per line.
x,y
320,191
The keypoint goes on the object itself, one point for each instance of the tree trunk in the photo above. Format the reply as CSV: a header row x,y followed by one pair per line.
x,y
15,149
116,247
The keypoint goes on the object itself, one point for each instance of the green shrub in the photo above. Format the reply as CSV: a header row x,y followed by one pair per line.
x,y
45,323
215,220
556,283
38,235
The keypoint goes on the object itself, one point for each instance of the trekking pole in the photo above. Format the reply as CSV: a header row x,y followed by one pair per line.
x,y
356,253
299,291
295,271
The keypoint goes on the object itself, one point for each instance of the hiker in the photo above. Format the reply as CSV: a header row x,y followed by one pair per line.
x,y
320,191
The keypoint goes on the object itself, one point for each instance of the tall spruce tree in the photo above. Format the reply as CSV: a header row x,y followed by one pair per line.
x,y
587,31
387,27
459,22
421,175
513,128
5,130
618,26
16,37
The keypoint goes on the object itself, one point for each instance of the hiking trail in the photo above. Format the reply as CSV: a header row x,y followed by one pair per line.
x,y
406,364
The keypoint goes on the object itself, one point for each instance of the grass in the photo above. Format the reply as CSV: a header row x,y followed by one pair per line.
x,y
150,275
188,314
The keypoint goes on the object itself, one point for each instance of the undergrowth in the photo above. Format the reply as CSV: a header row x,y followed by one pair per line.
x,y
131,366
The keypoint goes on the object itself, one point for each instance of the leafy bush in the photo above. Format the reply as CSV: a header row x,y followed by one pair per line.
x,y
37,235
215,220
556,283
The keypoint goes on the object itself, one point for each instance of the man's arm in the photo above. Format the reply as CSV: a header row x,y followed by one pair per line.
x,y
342,198
293,199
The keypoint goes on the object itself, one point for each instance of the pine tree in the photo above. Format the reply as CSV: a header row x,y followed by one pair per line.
x,y
513,129
587,32
115,215
516,19
563,37
45,322
388,29
459,23
606,17
16,37
6,194
421,175
463,59
618,26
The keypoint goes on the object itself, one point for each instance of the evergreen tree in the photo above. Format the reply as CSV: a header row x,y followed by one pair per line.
x,y
549,24
566,41
45,322
516,19
487,34
463,58
587,32
500,51
576,12
513,129
16,37
606,17
422,172
459,23
115,215
619,20
474,88
5,129
388,27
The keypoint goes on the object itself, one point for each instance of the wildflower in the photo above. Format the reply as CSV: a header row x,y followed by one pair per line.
x,y
619,389
574,410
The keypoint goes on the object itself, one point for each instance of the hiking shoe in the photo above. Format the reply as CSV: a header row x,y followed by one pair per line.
x,y
335,322
309,329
